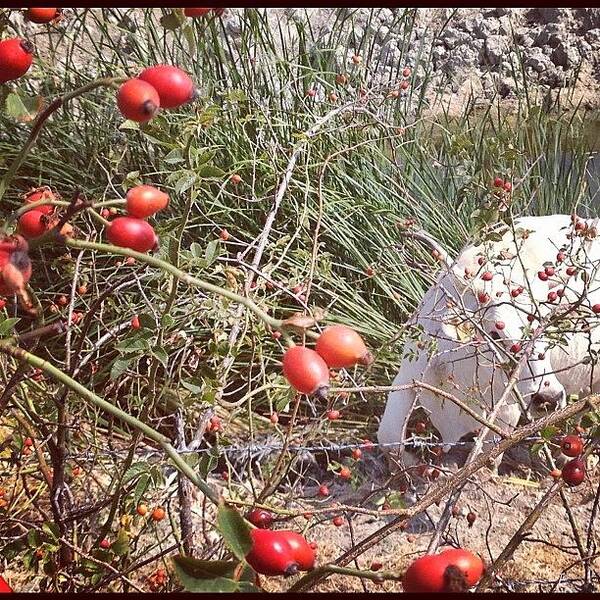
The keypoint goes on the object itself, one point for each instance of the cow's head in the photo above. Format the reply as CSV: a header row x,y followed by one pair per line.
x,y
498,321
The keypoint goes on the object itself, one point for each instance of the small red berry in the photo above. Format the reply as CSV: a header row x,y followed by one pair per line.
x,y
323,490
596,308
483,297
27,442
420,427
500,325
549,271
274,418
406,72
356,453
135,322
516,292
345,473
515,348
224,235
498,182
552,296
261,518
543,275
507,186
333,415
571,445
560,257
104,544
573,473
571,271
338,521
487,276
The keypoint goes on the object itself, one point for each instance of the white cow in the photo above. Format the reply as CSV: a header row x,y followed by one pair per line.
x,y
471,323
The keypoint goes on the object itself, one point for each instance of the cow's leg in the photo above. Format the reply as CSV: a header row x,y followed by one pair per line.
x,y
392,427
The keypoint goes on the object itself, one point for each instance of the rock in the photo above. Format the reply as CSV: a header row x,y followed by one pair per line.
x,y
495,47
549,15
506,87
565,56
593,37
537,60
551,35
453,38
487,27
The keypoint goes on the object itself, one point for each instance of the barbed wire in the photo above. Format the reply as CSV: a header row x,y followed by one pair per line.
x,y
414,443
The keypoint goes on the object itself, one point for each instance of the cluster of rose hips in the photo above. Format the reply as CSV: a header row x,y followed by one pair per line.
x,y
161,86
337,347
280,552
503,184
573,473
133,231
41,218
157,579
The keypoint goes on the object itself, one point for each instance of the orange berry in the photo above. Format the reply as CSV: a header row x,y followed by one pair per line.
x,y
158,514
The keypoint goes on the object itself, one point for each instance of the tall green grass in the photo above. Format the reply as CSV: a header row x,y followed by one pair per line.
x,y
251,113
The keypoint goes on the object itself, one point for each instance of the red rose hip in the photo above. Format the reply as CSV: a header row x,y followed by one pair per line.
x,y
173,85
138,100
129,232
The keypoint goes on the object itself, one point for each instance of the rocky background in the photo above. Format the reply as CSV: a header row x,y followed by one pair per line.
x,y
480,52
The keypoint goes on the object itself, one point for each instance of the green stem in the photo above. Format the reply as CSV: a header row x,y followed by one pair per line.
x,y
372,575
35,361
179,274
42,118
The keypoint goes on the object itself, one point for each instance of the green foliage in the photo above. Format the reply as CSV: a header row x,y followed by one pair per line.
x,y
352,183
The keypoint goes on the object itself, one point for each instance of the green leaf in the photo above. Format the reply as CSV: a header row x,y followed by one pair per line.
x,y
208,462
210,171
133,344
140,488
212,251
51,530
121,545
7,325
210,575
185,182
129,125
22,108
162,356
167,321
195,389
235,531
173,20
135,470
